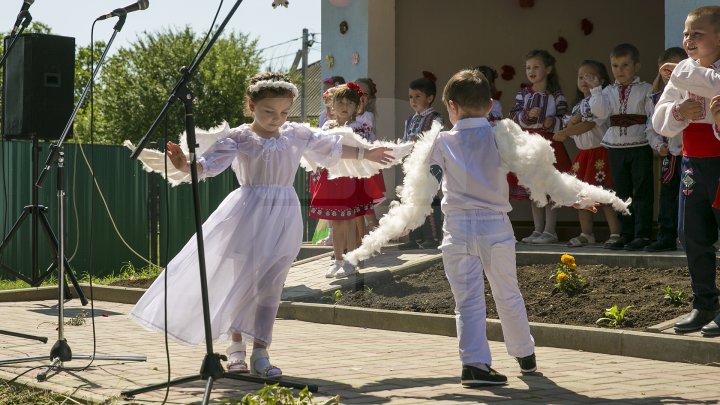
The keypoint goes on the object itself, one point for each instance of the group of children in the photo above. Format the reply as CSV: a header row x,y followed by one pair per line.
x,y
248,264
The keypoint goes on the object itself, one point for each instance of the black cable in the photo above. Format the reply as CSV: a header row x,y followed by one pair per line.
x,y
207,35
167,252
4,185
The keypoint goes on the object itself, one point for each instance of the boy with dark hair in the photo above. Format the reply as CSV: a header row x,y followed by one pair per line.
x,y
686,107
478,236
628,106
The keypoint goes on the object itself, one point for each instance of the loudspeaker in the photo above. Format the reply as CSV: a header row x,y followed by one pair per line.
x,y
39,80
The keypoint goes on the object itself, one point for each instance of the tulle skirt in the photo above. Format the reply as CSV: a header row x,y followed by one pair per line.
x,y
250,243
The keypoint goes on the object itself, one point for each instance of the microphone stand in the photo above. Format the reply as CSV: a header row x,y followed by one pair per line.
x,y
61,351
211,368
26,19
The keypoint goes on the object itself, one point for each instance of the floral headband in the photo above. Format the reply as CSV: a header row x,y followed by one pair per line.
x,y
329,80
275,84
356,88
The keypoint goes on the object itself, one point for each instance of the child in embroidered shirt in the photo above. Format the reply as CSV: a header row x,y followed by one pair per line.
x,y
539,108
688,106
421,95
627,105
254,235
495,113
478,237
591,162
341,200
670,150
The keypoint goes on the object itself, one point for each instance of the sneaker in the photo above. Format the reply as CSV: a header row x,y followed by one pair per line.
x,y
409,245
475,377
527,363
661,246
334,268
346,270
531,238
545,237
619,243
430,244
637,244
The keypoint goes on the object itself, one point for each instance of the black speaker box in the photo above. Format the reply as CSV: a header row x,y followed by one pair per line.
x,y
38,85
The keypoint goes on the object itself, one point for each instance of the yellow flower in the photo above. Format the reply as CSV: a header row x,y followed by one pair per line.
x,y
567,259
572,266
561,276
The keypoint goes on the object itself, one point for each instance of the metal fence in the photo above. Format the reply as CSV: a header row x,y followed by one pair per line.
x,y
135,213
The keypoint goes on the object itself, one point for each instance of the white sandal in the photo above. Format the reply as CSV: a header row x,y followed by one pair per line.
x,y
263,370
582,240
236,358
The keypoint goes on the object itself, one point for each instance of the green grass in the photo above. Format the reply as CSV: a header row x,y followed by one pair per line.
x,y
126,272
13,394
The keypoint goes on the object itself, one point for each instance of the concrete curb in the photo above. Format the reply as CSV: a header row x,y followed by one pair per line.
x,y
532,255
123,295
654,346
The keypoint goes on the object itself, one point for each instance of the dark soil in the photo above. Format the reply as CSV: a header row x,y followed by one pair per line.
x,y
642,288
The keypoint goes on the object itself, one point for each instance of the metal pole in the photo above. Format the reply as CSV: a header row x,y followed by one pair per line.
x,y
303,110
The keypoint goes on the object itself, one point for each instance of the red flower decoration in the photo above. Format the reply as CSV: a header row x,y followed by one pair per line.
x,y
526,3
429,75
355,87
508,72
561,45
586,26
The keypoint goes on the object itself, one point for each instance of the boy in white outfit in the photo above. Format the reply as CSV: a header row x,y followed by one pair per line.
x,y
477,234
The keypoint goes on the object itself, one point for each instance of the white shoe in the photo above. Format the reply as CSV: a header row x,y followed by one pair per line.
x,y
346,270
532,237
546,237
260,365
236,358
334,268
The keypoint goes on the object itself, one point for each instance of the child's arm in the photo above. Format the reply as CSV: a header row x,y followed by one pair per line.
x,y
553,123
178,158
518,113
573,130
377,155
688,75
670,115
600,102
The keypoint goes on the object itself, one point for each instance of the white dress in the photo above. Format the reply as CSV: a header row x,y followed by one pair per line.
x,y
250,240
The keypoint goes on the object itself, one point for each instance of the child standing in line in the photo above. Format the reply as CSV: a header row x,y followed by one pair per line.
x,y
670,151
328,83
421,95
374,187
689,106
341,200
495,113
478,237
539,108
627,105
252,237
591,162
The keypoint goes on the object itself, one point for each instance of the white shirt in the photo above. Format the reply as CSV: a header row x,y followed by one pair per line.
x,y
689,80
674,143
606,102
470,161
592,138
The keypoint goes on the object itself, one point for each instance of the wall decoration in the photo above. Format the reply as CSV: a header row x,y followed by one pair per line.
x,y
355,58
344,27
586,26
526,3
330,61
508,72
561,45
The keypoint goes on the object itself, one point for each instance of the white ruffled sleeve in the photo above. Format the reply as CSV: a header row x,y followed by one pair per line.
x,y
322,149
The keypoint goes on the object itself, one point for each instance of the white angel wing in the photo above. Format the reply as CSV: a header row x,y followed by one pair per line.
x,y
153,160
359,168
416,194
531,158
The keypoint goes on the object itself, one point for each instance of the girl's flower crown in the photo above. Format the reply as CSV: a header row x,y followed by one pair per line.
x,y
356,88
276,84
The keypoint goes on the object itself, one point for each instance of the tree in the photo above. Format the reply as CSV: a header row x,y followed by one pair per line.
x,y
135,83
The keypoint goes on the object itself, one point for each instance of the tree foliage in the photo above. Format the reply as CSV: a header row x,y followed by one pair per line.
x,y
135,83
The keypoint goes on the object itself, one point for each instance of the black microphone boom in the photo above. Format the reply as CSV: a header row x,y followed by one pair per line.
x,y
22,14
140,5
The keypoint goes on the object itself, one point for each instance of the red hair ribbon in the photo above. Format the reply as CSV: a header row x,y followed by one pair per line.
x,y
429,75
355,87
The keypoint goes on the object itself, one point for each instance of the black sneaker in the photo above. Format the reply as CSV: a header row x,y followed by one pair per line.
x,y
430,244
637,244
410,245
618,244
527,363
475,377
661,246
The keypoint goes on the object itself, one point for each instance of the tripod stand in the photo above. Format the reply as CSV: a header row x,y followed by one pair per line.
x,y
61,351
211,368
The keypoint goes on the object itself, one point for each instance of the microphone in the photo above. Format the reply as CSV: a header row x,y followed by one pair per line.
x,y
140,5
21,15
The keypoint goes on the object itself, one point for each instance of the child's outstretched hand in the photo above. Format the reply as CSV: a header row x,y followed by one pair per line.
x,y
691,109
177,157
666,70
379,155
592,80
715,109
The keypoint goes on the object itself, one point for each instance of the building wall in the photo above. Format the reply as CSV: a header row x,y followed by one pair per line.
x,y
675,13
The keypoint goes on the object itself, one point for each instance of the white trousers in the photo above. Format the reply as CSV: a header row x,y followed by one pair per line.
x,y
475,242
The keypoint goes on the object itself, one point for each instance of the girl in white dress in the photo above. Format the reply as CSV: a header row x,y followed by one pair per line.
x,y
253,236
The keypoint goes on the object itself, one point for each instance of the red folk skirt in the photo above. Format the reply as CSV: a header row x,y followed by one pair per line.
x,y
562,163
592,167
339,199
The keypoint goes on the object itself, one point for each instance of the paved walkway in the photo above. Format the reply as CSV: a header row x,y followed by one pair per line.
x,y
363,366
